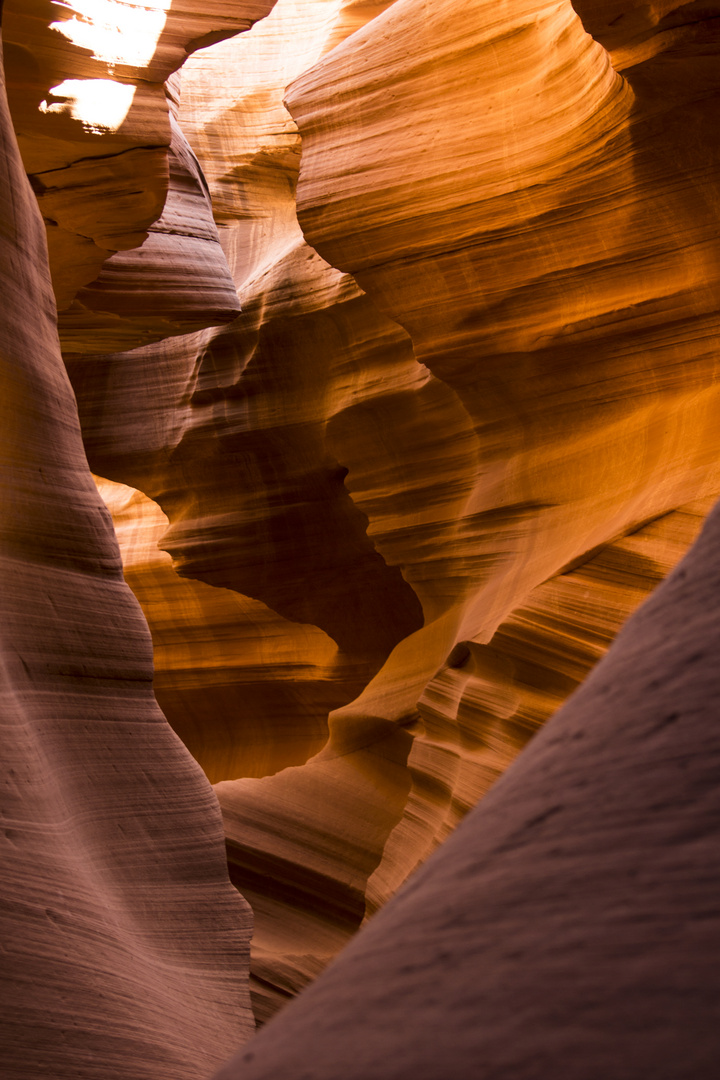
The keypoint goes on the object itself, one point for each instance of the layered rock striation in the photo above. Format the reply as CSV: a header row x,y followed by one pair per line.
x,y
125,948
89,95
421,433
568,926
397,433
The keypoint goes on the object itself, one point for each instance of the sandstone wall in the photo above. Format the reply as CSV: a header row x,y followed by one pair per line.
x,y
422,433
125,948
568,927
398,435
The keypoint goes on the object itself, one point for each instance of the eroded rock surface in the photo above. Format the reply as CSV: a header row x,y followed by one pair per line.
x,y
496,360
416,422
248,691
568,927
125,948
88,95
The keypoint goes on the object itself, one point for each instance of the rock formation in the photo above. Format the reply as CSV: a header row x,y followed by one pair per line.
x,y
393,334
570,924
87,85
500,403
125,949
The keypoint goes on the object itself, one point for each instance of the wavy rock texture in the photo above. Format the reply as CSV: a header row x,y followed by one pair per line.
x,y
125,947
248,692
89,104
176,282
411,471
570,924
519,288
416,485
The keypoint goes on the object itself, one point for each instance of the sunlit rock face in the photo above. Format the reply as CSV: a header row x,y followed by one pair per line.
x,y
88,95
417,420
125,948
526,256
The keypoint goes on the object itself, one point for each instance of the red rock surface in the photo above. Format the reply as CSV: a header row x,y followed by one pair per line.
x,y
552,389
89,99
124,946
411,423
570,925
408,471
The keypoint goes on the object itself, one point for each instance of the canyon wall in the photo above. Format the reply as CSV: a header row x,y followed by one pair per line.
x,y
569,926
392,330
125,949
417,452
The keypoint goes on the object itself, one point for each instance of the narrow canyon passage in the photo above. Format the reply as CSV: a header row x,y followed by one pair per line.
x,y
391,335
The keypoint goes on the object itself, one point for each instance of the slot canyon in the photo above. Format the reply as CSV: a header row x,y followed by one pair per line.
x,y
359,571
